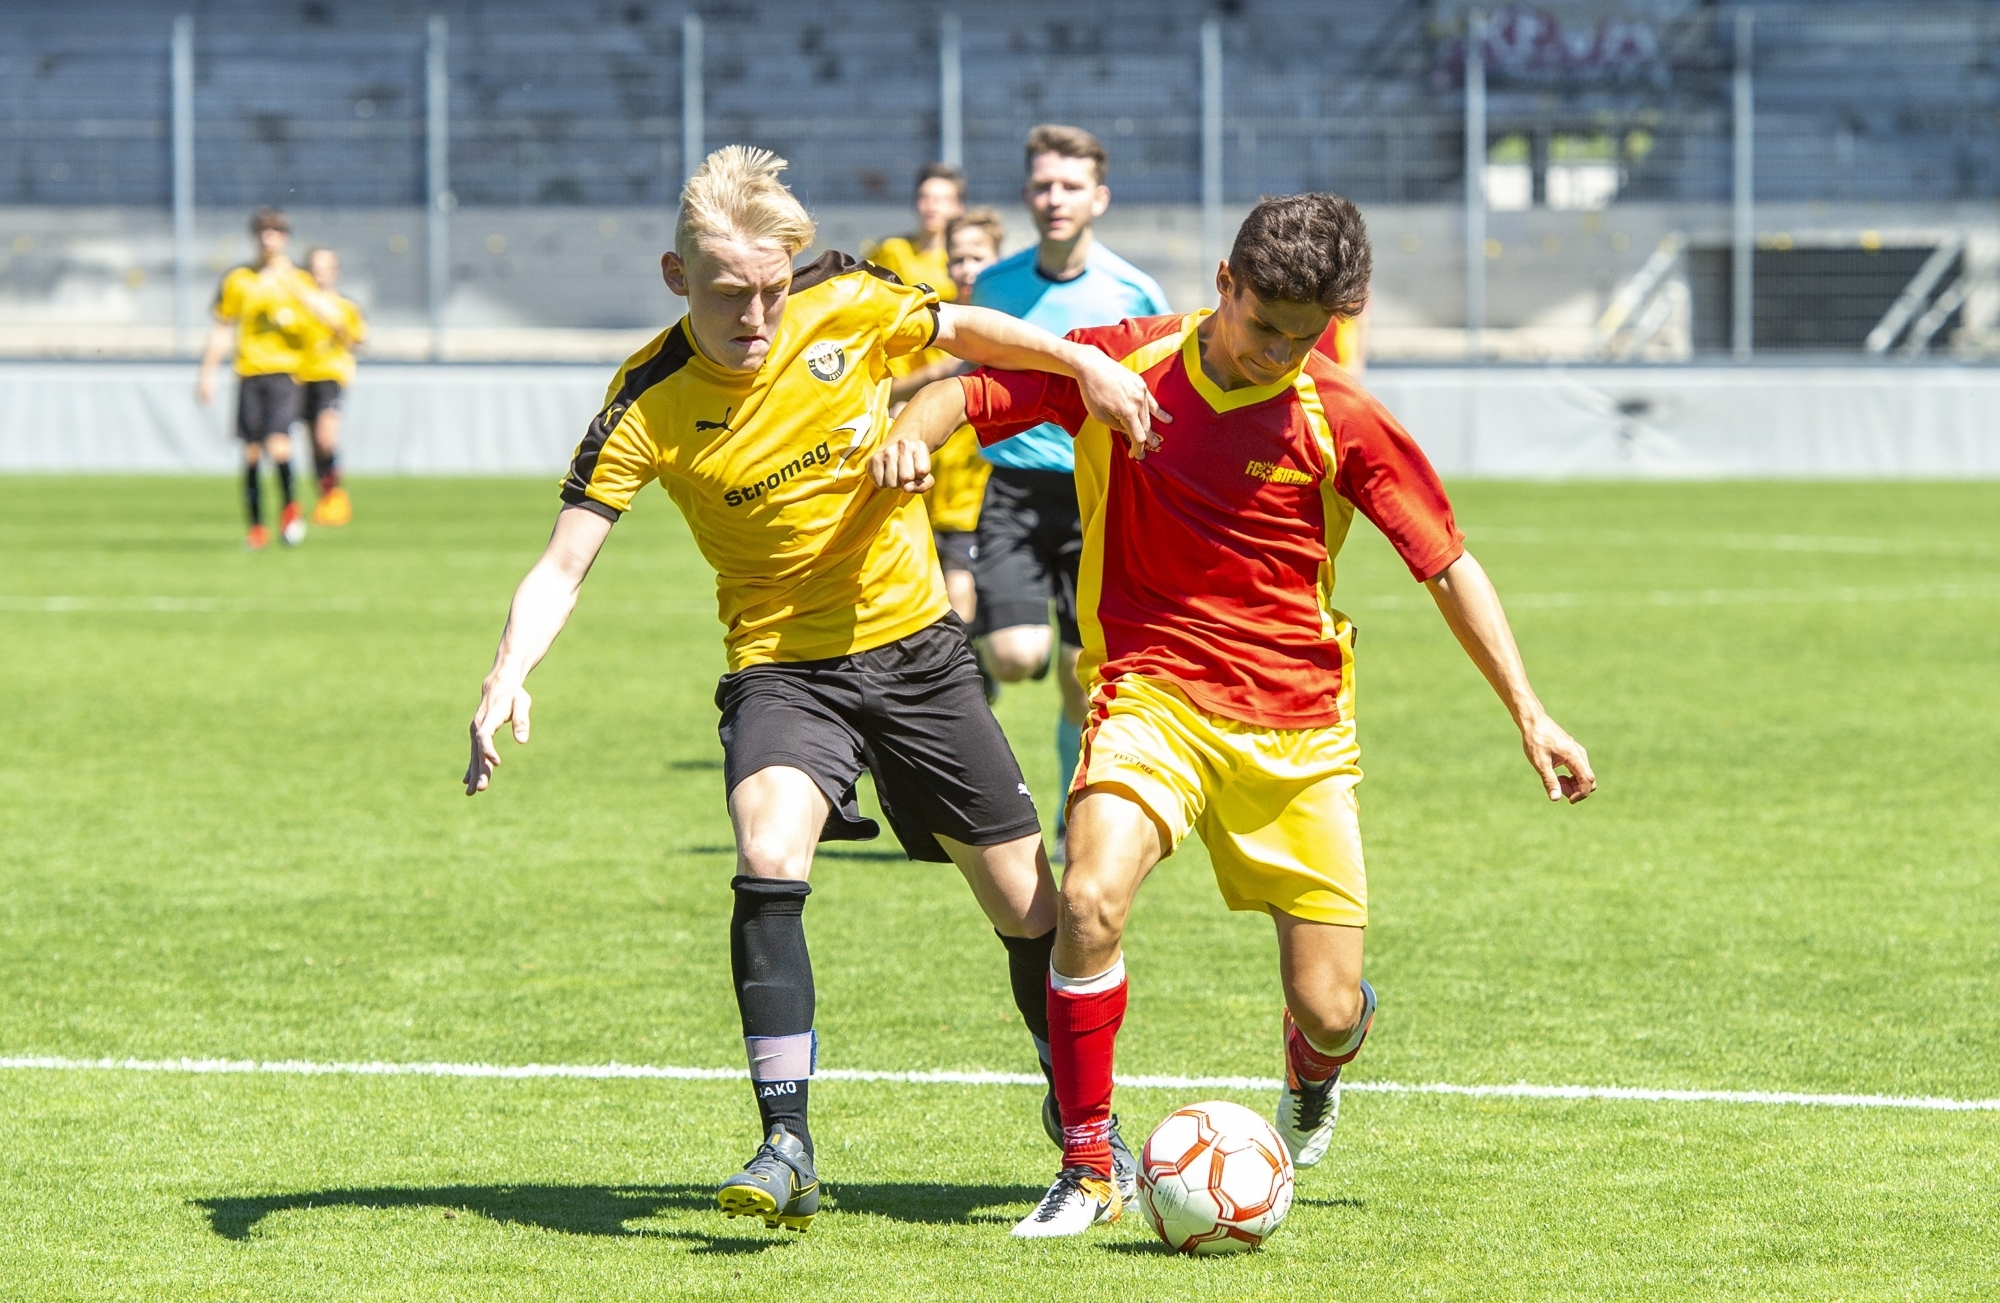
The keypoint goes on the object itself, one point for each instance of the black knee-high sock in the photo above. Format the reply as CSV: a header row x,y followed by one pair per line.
x,y
326,466
284,470
1028,974
774,995
251,505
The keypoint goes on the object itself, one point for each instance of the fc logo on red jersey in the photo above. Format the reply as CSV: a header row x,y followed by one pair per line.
x,y
827,361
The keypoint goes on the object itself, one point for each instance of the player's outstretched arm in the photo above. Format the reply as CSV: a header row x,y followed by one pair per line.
x,y
1112,393
927,422
1470,606
541,607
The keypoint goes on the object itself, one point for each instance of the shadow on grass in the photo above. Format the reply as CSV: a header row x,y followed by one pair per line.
x,y
610,1210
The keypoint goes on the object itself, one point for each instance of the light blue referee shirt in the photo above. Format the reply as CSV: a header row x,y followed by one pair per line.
x,y
1109,290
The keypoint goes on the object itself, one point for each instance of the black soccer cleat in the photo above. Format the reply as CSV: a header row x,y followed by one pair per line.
x,y
1124,1167
778,1184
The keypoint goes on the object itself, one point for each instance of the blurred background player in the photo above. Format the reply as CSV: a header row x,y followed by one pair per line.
x,y
919,258
1345,343
1030,535
972,244
261,310
335,328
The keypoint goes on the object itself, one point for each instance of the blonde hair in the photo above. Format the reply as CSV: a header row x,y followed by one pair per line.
x,y
736,193
979,219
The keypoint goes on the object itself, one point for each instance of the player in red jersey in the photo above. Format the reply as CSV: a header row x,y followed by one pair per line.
x,y
1220,673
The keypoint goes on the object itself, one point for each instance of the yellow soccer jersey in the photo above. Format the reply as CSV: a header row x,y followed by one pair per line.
x,y
271,323
961,475
913,266
811,559
329,352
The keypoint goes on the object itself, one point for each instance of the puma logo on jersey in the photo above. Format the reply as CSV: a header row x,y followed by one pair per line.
x,y
1273,473
703,427
805,461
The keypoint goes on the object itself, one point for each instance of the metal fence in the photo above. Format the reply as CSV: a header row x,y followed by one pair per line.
x,y
1653,180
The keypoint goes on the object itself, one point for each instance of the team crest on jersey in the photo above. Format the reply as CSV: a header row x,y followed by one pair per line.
x,y
827,361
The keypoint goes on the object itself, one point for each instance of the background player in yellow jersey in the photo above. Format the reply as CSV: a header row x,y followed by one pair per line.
x,y
919,258
973,242
757,412
324,373
266,312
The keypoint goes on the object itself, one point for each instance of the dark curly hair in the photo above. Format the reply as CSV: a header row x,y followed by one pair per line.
x,y
1310,248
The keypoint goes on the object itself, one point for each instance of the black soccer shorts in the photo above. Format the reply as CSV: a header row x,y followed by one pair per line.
x,y
265,405
316,396
1030,545
913,713
957,549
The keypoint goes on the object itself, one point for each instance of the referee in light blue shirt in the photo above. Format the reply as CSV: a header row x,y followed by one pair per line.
x,y
1030,532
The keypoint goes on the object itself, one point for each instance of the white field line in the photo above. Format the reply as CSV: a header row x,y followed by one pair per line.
x,y
1831,543
1830,595
1827,596
605,1071
156,604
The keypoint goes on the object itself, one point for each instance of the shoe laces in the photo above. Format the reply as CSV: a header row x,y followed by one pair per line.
x,y
1309,1103
1069,1182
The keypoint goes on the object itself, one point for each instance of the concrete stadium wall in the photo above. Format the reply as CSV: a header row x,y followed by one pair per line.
x,y
1499,422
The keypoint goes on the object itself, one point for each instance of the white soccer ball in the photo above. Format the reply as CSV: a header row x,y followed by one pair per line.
x,y
1215,1178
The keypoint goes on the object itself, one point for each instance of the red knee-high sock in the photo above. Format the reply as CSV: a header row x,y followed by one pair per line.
x,y
1083,1033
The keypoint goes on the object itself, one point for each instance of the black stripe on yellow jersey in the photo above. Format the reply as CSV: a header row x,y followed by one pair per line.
x,y
770,468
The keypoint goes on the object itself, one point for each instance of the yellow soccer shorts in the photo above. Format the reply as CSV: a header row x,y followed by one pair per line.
x,y
1275,807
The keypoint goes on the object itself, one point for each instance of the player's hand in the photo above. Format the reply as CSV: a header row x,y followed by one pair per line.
x,y
1550,750
204,389
499,703
902,464
1117,396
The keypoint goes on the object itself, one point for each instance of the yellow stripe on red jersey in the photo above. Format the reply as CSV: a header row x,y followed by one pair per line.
x,y
770,468
1210,564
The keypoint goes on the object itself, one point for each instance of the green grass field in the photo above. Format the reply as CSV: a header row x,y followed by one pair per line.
x,y
230,827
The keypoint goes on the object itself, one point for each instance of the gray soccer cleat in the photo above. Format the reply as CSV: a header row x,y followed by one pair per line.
x,y
778,1184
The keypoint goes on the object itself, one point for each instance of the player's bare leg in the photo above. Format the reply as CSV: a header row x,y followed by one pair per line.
x,y
1114,844
1328,1010
962,593
1018,652
778,813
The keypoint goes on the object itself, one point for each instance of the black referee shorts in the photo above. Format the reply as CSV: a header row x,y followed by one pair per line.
x,y
913,713
957,549
265,405
1030,545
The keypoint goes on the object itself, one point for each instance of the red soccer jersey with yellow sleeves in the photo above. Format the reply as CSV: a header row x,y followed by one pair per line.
x,y
1210,564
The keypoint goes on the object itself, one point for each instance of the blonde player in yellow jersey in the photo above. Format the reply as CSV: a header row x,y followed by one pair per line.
x,y
757,412
266,313
323,375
